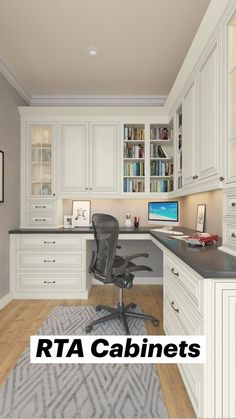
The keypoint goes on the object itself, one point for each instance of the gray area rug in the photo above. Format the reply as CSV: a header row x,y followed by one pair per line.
x,y
82,391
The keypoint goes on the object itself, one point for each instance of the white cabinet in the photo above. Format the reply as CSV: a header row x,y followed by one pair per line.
x,y
189,136
73,157
88,158
209,127
49,266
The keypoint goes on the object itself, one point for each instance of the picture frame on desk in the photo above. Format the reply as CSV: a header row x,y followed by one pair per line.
x,y
81,211
201,215
68,221
1,176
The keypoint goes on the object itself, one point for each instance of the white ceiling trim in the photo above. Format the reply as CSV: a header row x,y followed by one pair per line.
x,y
98,101
11,78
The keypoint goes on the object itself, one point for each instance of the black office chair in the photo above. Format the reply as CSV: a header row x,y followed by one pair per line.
x,y
110,268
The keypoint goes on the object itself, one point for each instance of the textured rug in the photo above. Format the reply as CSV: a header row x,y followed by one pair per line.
x,y
82,391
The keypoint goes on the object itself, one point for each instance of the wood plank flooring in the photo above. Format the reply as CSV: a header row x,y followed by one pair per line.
x,y
22,318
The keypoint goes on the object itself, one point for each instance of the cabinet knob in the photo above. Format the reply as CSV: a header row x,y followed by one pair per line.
x,y
173,306
233,204
195,177
90,189
222,178
86,189
174,272
233,235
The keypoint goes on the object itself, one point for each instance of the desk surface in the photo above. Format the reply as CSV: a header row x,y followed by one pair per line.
x,y
209,262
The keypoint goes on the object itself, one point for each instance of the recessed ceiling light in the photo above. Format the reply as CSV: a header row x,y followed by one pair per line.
x,y
93,52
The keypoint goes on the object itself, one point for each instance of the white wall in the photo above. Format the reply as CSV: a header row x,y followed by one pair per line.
x,y
10,144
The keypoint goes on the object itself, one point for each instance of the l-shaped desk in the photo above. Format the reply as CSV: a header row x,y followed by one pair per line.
x,y
199,297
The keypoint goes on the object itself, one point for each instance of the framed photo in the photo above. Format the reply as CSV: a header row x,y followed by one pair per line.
x,y
1,176
201,214
68,221
81,211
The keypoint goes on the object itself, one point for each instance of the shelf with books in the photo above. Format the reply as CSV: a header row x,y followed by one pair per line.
x,y
161,185
134,158
134,185
161,133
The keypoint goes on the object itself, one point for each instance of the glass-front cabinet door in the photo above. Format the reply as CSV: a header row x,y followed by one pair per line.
x,y
41,160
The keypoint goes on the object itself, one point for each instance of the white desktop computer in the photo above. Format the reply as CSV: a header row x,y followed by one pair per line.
x,y
164,214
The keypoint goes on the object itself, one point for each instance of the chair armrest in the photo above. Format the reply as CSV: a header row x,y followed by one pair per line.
x,y
118,247
138,255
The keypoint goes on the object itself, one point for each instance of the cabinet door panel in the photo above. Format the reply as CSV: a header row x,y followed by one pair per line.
x,y
209,139
189,147
73,158
104,157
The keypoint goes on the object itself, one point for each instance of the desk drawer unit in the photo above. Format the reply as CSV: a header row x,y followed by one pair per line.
x,y
40,206
49,266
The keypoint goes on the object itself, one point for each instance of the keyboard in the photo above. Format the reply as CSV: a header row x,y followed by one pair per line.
x,y
170,232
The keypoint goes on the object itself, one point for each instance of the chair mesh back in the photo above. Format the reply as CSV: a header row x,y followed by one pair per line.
x,y
106,230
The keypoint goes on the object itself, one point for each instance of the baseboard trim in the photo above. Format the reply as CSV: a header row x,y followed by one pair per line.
x,y
137,281
5,300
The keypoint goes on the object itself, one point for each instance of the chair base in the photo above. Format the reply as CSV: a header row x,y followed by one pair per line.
x,y
122,312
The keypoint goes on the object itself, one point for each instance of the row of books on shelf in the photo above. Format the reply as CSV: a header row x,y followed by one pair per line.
x,y
133,151
134,134
157,151
161,168
134,185
161,185
161,133
134,169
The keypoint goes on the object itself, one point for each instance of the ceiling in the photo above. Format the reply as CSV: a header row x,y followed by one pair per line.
x,y
142,44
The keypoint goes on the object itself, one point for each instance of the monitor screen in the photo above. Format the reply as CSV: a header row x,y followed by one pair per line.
x,y
163,211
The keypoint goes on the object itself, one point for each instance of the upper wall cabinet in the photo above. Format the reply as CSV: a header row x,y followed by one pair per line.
x,y
209,126
189,136
88,158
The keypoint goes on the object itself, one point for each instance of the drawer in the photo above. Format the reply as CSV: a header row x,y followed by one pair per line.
x,y
50,282
230,203
40,219
55,242
229,233
185,279
40,205
185,319
50,261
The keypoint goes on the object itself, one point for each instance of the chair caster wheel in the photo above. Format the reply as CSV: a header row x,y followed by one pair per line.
x,y
133,305
98,308
88,329
155,322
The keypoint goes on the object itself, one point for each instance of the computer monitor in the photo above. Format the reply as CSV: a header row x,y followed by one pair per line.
x,y
164,213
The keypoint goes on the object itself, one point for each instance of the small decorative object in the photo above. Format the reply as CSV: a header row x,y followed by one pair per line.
x,y
68,221
1,176
201,211
128,223
81,213
202,239
136,222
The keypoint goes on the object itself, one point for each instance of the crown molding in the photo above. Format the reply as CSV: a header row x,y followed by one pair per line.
x,y
11,78
98,101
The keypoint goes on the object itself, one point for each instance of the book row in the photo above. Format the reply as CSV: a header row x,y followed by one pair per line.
x,y
134,185
161,168
133,151
157,151
160,133
134,134
161,186
134,169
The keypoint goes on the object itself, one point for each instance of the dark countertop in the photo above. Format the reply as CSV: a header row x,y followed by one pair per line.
x,y
208,261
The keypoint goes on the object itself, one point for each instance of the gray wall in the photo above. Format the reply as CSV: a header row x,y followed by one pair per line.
x,y
10,144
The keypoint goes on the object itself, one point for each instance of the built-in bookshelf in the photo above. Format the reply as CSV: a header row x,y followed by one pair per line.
x,y
161,158
147,159
134,158
179,157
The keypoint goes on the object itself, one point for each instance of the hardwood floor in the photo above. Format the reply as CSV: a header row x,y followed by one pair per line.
x,y
22,318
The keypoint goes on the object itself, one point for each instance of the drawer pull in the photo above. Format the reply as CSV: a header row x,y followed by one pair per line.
x,y
40,206
49,261
49,282
233,235
233,204
173,306
195,177
45,242
40,219
174,272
